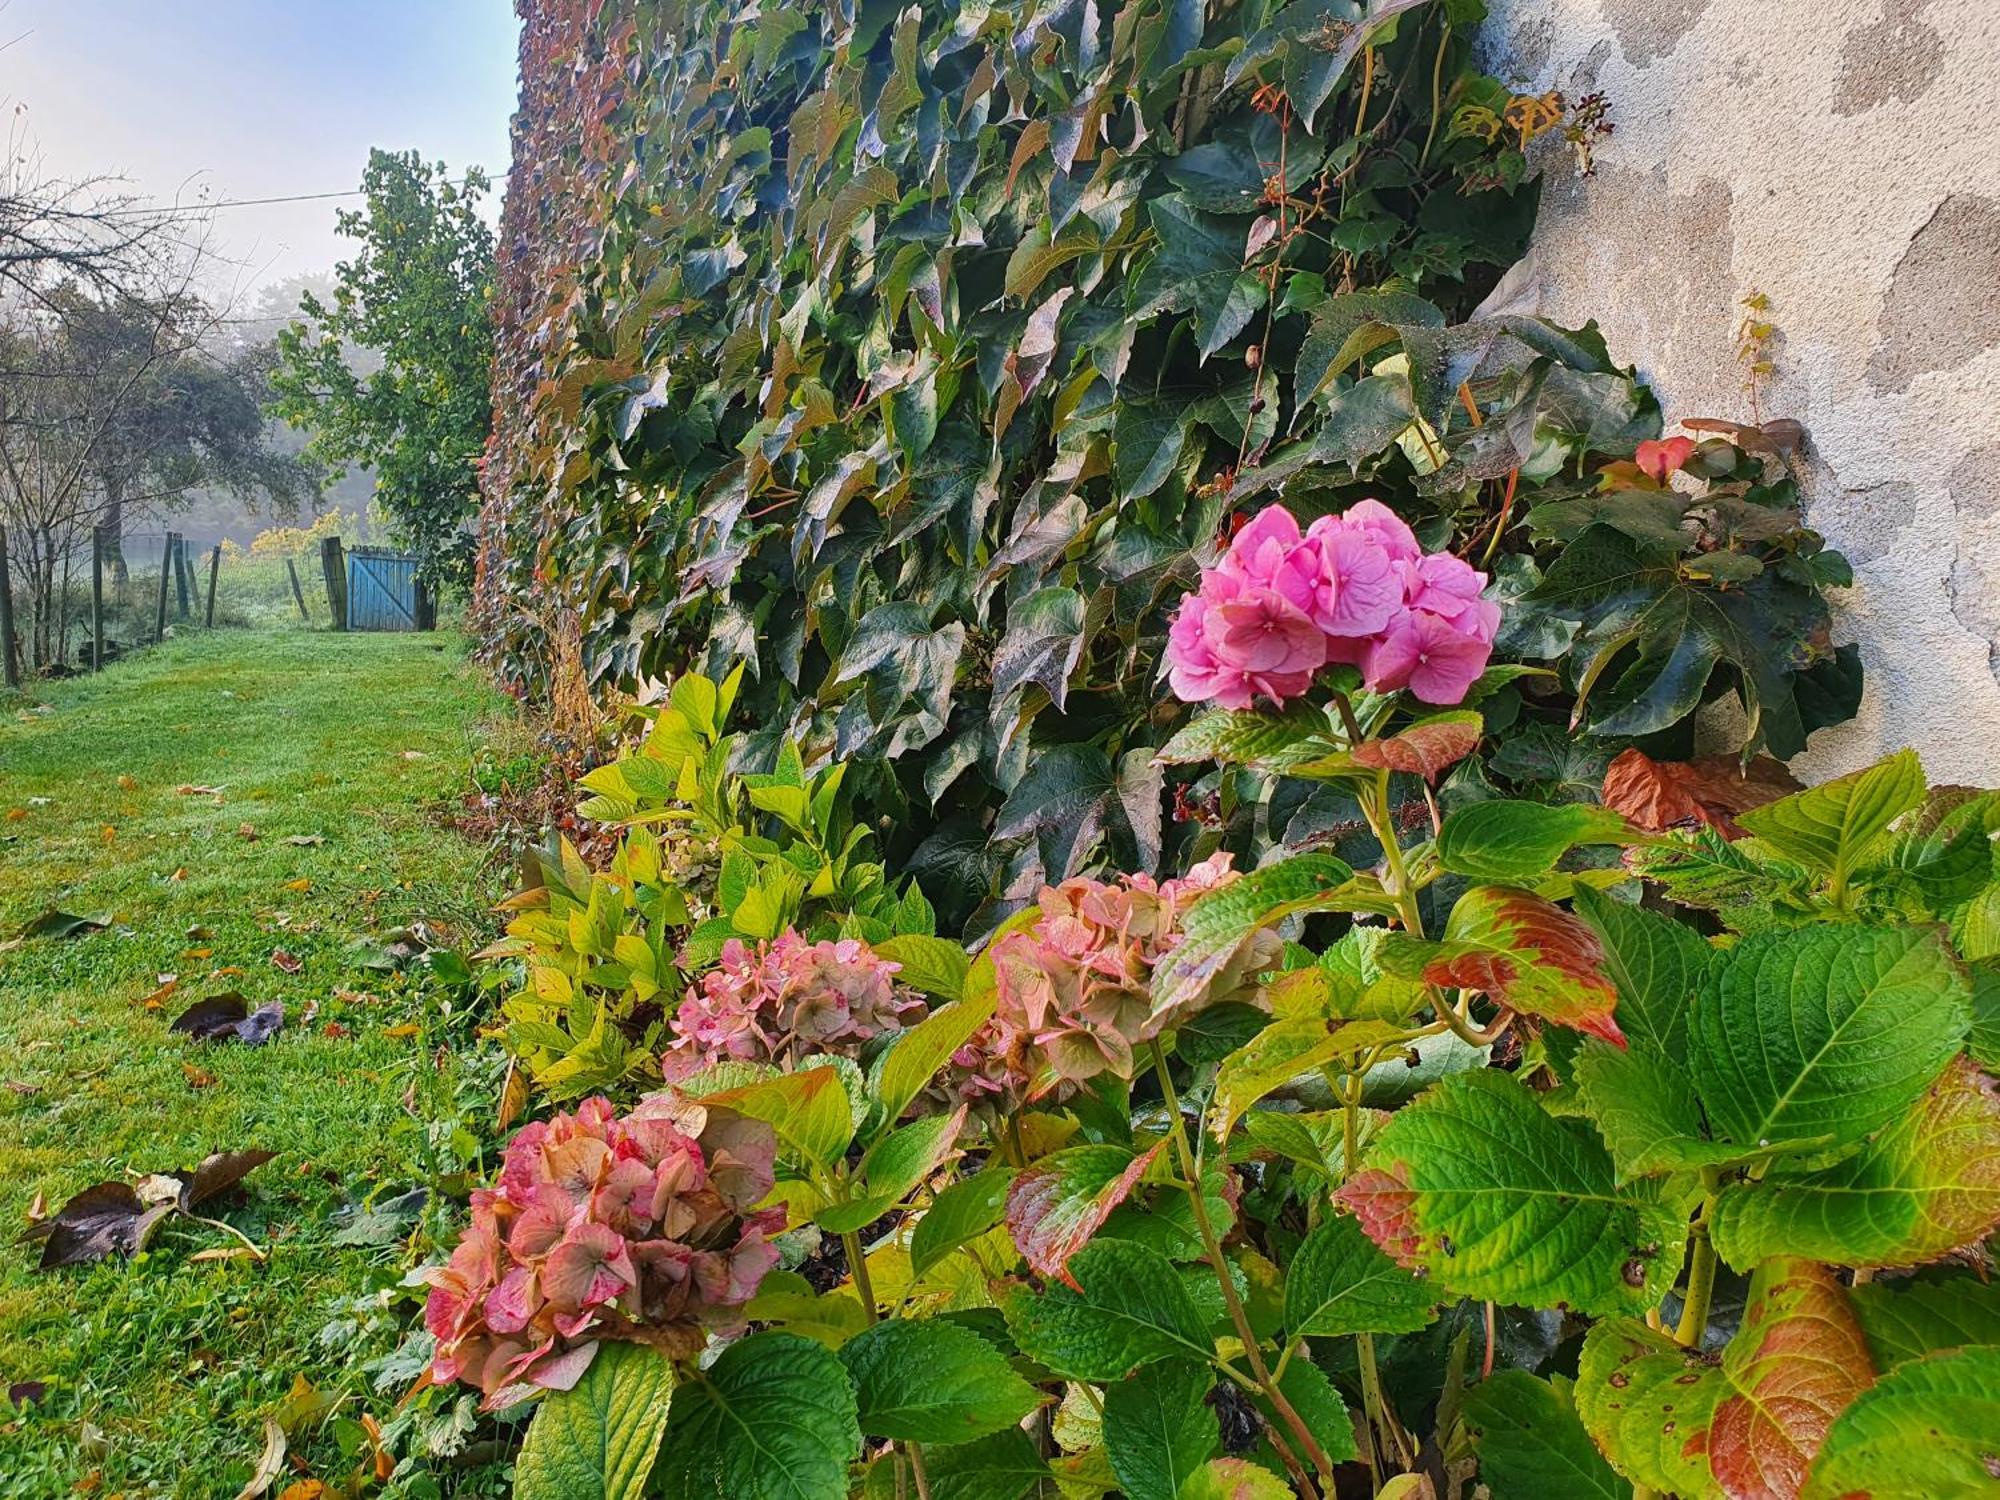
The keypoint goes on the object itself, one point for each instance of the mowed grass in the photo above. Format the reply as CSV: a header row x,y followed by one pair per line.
x,y
160,1370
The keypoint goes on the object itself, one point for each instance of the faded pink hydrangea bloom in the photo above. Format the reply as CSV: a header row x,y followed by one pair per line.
x,y
1074,990
1354,588
640,1227
787,999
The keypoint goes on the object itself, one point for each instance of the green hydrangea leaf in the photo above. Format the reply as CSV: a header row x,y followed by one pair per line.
x,y
597,1440
1479,1188
1830,1033
962,1212
1128,1309
1928,1429
1004,1466
1909,1320
1830,828
931,1381
1340,1282
772,1419
1159,1428
1531,1445
1927,1185
1520,842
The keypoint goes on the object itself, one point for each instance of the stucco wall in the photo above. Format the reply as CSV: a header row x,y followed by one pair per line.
x,y
1839,156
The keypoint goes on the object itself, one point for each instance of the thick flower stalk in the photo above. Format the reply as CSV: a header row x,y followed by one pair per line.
x,y
640,1227
781,1001
1074,991
1354,588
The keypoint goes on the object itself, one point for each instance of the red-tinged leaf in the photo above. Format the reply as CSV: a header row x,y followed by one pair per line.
x,y
1530,956
1055,1206
1658,795
1427,749
1386,1206
1794,1365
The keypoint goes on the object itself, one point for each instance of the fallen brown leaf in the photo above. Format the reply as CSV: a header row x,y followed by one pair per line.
x,y
280,959
198,1078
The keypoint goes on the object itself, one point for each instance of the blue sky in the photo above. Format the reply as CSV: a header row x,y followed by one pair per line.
x,y
257,99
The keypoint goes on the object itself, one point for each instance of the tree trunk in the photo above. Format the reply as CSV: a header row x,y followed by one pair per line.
x,y
114,536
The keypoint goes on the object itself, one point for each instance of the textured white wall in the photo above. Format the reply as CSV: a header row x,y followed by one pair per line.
x,y
1839,156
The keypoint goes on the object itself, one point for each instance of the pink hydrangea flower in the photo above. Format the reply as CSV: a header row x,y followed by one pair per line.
x,y
785,999
1074,991
1354,588
642,1228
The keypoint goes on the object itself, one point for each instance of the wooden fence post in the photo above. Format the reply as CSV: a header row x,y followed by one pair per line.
x,y
97,598
297,592
183,571
214,567
160,610
13,668
333,563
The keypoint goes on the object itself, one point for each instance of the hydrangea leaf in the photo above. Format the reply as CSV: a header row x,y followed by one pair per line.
x,y
812,1111
1428,748
772,1419
1531,1445
1648,1403
1928,1429
915,1056
1483,1191
1529,955
1128,1309
1159,1428
1746,1426
1830,828
1341,1282
1520,842
1281,1052
1295,734
1832,1031
1221,924
1056,1205
1792,1367
1234,1479
1909,1320
597,1440
1004,1466
962,1212
931,1381
1927,1185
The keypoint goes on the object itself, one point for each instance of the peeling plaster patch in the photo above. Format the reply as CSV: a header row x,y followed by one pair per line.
x,y
1648,29
1941,309
1865,523
1974,586
1527,51
1899,57
1666,297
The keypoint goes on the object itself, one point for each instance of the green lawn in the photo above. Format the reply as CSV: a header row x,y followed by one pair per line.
x,y
161,1370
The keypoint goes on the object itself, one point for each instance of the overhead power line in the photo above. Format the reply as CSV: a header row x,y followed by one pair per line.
x,y
181,210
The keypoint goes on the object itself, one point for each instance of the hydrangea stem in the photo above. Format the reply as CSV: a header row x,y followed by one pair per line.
x,y
1212,1249
857,1264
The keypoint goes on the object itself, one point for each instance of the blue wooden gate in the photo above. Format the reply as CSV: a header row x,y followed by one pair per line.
x,y
382,591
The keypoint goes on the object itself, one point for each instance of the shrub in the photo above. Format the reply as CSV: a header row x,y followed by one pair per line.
x,y
1554,1138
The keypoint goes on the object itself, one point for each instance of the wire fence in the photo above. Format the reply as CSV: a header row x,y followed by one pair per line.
x,y
152,585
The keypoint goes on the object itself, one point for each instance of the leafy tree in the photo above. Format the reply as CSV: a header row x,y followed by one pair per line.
x,y
417,296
